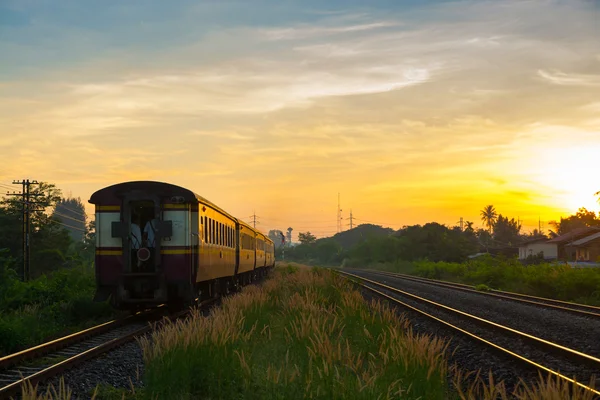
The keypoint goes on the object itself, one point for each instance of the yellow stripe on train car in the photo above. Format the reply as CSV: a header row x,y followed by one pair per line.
x,y
109,252
108,208
176,251
176,206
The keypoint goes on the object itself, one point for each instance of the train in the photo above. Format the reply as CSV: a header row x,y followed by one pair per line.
x,y
159,243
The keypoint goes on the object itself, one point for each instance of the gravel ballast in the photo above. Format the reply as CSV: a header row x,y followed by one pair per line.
x,y
552,325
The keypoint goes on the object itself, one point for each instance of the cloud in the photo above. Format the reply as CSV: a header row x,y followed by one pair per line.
x,y
561,78
308,31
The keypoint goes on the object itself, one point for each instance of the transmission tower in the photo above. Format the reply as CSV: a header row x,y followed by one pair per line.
x,y
351,220
254,219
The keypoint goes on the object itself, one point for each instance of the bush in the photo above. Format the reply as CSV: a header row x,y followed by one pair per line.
x,y
47,307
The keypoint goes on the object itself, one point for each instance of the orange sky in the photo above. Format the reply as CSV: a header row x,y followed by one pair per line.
x,y
425,111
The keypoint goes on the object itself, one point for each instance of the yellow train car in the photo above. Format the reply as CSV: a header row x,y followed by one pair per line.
x,y
157,243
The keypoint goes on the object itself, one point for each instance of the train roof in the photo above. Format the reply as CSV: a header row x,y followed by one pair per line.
x,y
111,195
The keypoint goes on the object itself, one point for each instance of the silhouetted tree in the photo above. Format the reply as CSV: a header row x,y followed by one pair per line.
x,y
50,242
306,238
70,213
488,216
506,232
583,218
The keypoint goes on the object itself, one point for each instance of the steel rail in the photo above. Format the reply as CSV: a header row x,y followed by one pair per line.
x,y
59,367
558,348
68,340
582,310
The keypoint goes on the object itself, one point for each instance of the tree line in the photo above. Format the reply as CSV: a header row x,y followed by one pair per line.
x,y
60,237
369,243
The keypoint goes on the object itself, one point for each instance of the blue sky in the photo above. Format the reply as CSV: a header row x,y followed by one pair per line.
x,y
414,110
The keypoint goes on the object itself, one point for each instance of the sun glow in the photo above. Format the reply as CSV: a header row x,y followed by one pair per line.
x,y
573,173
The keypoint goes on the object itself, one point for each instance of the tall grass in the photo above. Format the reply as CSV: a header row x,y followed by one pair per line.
x,y
304,333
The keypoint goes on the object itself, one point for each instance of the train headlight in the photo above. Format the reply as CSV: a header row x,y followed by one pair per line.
x,y
143,254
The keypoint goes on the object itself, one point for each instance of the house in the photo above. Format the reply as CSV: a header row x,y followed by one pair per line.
x,y
536,246
577,244
587,248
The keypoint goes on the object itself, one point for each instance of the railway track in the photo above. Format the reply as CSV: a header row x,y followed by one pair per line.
x,y
566,306
526,349
50,359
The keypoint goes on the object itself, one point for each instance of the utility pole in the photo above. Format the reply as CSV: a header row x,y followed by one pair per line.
x,y
339,215
351,226
461,224
26,212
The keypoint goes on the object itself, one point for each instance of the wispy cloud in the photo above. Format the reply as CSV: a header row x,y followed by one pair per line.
x,y
561,78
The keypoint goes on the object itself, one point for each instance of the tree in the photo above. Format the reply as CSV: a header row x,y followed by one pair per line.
x,y
581,219
507,232
488,216
49,241
70,213
306,238
469,226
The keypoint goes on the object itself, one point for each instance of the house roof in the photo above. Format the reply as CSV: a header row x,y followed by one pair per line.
x,y
575,234
586,239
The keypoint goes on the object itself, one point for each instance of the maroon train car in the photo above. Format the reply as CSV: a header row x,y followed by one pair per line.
x,y
161,243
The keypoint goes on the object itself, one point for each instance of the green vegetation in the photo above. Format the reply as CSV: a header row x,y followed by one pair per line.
x,y
304,333
46,307
58,298
557,281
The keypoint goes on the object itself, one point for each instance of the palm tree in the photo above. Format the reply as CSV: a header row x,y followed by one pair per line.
x,y
488,216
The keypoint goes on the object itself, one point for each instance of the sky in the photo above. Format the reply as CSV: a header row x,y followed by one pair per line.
x,y
414,111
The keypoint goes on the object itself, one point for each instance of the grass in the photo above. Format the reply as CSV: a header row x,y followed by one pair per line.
x,y
555,281
305,333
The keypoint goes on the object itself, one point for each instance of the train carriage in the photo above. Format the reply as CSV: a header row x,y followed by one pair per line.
x,y
161,243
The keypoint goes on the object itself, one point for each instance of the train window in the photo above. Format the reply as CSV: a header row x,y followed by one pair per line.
x,y
212,231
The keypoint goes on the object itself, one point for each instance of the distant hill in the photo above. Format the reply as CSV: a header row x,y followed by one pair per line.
x,y
356,235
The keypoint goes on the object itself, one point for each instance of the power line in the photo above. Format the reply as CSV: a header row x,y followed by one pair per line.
x,y
69,226
6,186
66,216
254,220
